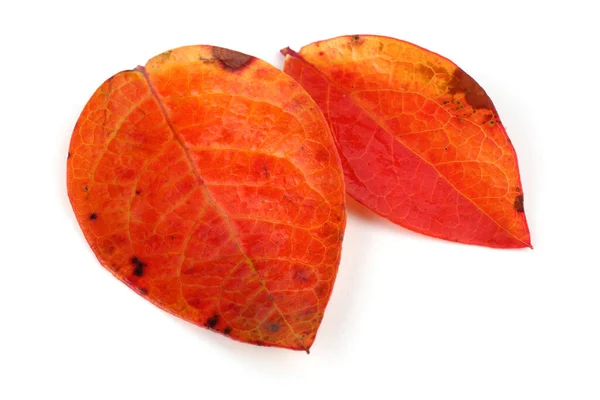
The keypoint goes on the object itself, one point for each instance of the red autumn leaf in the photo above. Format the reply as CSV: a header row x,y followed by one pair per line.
x,y
208,182
420,141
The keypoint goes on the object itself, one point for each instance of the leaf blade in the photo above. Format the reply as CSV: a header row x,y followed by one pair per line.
x,y
191,169
397,112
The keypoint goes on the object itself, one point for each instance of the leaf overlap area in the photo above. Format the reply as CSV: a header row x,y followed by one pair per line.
x,y
209,183
421,143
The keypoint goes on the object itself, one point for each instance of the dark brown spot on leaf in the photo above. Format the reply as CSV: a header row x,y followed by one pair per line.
x,y
338,216
139,266
230,59
138,192
301,275
211,322
143,291
274,327
518,204
474,94
68,155
93,216
485,117
356,37
85,188
227,330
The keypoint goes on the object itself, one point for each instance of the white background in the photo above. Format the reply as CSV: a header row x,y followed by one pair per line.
x,y
410,317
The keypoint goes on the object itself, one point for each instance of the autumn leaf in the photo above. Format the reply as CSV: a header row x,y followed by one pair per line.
x,y
420,141
209,183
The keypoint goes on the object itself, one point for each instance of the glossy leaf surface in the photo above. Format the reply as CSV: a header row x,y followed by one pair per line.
x,y
208,182
420,141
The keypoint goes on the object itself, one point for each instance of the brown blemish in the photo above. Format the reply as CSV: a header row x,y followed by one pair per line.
x,y
107,247
165,56
309,311
321,289
68,155
139,266
213,321
301,275
85,188
485,118
274,327
230,59
518,204
143,291
425,72
339,216
355,41
437,69
93,216
474,94
518,189
328,229
227,330
138,192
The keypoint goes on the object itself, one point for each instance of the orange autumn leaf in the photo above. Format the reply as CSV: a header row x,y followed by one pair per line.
x,y
420,141
208,182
